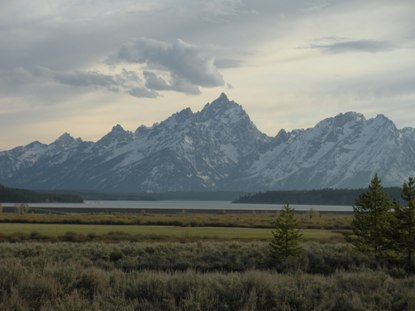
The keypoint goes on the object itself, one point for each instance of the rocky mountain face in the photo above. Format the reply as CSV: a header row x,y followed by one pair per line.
x,y
218,148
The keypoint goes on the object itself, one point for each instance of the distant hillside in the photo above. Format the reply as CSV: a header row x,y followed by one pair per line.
x,y
13,195
312,197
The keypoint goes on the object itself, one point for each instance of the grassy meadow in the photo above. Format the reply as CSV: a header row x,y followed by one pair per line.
x,y
45,231
180,261
263,219
139,226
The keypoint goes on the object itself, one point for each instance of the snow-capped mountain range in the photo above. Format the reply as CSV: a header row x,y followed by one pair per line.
x,y
218,148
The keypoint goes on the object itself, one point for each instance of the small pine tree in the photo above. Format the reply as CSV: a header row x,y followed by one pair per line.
x,y
405,224
286,236
372,220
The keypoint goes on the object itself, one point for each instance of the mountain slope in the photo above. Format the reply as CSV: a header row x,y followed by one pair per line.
x,y
340,152
218,148
187,151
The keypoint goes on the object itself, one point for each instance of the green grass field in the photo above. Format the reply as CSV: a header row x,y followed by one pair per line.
x,y
315,220
54,230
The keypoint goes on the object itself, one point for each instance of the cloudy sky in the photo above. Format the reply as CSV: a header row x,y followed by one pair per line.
x,y
83,66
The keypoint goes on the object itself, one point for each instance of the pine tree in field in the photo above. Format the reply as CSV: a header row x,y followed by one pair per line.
x,y
405,224
286,236
372,220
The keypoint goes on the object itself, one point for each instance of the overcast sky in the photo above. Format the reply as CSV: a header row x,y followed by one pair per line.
x,y
82,66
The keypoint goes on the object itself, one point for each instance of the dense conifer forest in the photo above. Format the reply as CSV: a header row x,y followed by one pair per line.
x,y
13,195
312,197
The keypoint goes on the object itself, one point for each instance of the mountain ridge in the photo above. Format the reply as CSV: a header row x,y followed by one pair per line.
x,y
218,148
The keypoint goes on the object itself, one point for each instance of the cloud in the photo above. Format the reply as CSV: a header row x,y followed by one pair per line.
x,y
124,81
154,82
175,83
176,66
341,45
14,79
182,85
88,79
227,63
178,59
142,92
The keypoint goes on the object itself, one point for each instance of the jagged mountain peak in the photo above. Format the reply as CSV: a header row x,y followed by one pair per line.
x,y
222,103
381,116
66,140
182,115
35,144
65,137
117,129
354,120
219,107
341,120
219,148
223,96
351,115
382,119
141,130
281,137
116,136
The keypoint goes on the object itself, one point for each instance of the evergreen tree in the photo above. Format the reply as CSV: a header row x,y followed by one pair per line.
x,y
405,224
286,236
372,220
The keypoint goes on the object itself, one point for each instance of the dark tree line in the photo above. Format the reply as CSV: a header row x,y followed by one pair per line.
x,y
14,195
314,197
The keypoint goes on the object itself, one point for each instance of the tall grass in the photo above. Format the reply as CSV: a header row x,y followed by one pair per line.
x,y
63,286
194,276
199,256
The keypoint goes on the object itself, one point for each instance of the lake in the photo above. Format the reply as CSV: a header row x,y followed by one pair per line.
x,y
186,205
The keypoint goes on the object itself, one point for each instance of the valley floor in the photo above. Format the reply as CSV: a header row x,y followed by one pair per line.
x,y
202,262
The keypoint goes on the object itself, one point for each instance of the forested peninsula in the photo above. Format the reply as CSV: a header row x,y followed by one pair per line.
x,y
312,197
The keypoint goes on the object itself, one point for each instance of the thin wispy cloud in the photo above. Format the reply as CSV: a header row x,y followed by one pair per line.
x,y
142,92
339,45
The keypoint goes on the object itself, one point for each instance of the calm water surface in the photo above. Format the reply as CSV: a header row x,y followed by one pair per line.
x,y
210,205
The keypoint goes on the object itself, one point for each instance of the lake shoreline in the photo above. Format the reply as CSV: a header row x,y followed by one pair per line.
x,y
172,207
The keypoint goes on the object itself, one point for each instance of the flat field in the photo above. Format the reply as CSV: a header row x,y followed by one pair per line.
x,y
164,232
264,219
